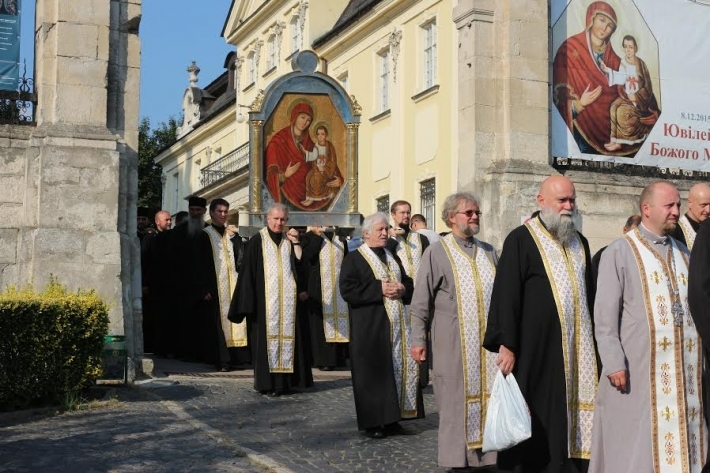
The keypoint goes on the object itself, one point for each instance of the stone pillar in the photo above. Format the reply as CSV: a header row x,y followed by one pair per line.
x,y
81,174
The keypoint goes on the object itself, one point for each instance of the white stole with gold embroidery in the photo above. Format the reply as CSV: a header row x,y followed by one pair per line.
x,y
409,251
223,256
566,270
679,431
335,310
406,370
474,284
280,293
688,232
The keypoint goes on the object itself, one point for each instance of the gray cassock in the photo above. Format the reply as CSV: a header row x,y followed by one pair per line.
x,y
621,435
435,299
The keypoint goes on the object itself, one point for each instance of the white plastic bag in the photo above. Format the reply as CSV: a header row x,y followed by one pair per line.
x,y
508,417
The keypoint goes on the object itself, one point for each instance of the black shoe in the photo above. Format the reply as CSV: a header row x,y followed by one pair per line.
x,y
224,368
327,368
395,428
273,394
375,433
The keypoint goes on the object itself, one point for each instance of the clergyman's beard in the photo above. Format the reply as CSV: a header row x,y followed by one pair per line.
x,y
195,225
467,230
560,225
669,227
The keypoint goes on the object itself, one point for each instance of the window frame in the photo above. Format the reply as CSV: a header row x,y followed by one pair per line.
x,y
427,201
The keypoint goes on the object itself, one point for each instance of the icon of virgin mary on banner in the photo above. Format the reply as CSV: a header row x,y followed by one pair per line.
x,y
301,172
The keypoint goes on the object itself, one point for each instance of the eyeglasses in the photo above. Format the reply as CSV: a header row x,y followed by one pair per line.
x,y
469,213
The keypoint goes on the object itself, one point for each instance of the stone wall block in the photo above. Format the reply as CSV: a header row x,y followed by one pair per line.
x,y
527,10
74,207
104,248
103,46
81,71
12,161
534,39
58,245
11,215
528,93
13,189
529,68
61,176
8,245
78,40
80,104
84,12
529,120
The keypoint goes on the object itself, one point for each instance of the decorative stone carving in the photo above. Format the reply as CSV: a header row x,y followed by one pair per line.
x,y
238,64
193,70
357,109
394,41
302,7
257,52
191,102
278,33
258,100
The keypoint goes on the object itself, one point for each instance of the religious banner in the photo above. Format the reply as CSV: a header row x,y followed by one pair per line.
x,y
9,44
630,82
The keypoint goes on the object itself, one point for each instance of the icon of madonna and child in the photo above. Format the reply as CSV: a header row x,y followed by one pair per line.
x,y
302,170
606,101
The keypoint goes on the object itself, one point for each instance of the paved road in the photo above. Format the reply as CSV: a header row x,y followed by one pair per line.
x,y
190,419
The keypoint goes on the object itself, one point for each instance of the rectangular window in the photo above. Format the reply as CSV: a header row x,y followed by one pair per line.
x,y
252,68
384,58
295,34
271,53
383,204
427,192
429,79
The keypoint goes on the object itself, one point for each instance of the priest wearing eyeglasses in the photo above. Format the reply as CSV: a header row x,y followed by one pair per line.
x,y
541,326
453,294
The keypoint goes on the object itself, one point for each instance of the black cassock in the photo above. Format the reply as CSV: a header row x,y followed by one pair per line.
x,y
249,301
185,297
324,354
699,303
523,317
208,334
374,388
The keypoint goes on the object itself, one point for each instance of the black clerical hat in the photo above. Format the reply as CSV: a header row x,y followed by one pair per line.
x,y
197,202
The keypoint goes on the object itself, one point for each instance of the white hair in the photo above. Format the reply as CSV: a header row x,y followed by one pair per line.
x,y
369,223
277,206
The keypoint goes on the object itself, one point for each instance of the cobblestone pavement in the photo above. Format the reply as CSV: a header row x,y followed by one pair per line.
x,y
191,419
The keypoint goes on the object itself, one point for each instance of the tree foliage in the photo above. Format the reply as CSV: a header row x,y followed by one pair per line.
x,y
150,144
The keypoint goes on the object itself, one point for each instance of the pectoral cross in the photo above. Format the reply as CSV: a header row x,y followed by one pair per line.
x,y
665,343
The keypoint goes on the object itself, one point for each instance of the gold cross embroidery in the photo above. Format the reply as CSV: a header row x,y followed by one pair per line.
x,y
692,413
683,278
690,344
665,343
667,413
656,277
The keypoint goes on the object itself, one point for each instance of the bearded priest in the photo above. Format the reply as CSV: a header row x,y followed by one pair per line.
x,y
541,326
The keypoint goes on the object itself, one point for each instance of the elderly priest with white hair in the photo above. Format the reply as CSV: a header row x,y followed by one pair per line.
x,y
377,290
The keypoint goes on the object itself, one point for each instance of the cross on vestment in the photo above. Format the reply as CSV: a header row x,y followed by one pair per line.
x,y
668,413
665,343
690,345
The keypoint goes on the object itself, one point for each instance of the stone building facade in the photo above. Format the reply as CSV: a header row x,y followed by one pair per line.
x,y
69,180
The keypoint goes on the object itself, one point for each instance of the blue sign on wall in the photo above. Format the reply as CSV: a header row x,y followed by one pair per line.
x,y
9,44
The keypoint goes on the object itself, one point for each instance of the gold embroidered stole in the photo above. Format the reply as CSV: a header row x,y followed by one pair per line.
x,y
223,256
566,270
688,231
679,431
335,310
409,251
406,370
473,277
280,293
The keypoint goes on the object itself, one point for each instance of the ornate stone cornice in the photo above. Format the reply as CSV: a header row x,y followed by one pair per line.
x,y
278,33
395,38
302,7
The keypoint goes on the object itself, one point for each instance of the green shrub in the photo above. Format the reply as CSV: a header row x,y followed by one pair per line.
x,y
50,344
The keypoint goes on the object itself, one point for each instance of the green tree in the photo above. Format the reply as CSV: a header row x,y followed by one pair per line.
x,y
150,144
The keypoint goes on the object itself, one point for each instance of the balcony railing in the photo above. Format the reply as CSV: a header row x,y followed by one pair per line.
x,y
228,164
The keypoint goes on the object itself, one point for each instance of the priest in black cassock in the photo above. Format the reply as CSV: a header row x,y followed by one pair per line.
x,y
541,326
186,297
266,296
323,254
220,250
698,212
377,290
699,304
